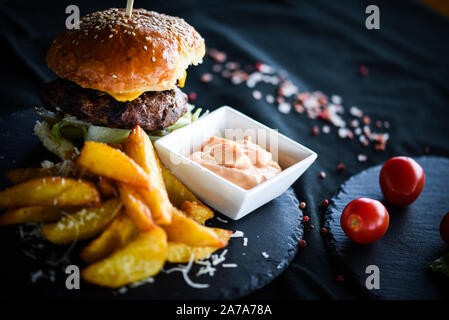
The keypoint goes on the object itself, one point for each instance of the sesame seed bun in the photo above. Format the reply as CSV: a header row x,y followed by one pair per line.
x,y
125,56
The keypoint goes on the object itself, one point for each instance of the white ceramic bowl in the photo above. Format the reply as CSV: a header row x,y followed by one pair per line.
x,y
219,193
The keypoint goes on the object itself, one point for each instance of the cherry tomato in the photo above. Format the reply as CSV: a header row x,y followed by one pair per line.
x,y
364,220
444,228
401,180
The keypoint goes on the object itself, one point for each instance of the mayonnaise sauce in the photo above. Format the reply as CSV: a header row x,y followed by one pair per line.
x,y
242,162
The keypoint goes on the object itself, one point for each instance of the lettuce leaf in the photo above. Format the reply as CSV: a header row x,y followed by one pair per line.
x,y
70,128
106,135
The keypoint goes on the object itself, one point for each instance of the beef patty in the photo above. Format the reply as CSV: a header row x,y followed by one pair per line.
x,y
151,110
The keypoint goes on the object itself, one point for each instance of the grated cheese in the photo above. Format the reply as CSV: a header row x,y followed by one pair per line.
x,y
229,265
217,259
222,220
185,273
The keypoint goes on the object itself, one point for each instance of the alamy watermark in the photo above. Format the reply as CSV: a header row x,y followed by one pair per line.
x,y
73,20
373,279
373,19
73,279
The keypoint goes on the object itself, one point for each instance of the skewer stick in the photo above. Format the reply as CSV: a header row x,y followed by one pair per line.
x,y
129,7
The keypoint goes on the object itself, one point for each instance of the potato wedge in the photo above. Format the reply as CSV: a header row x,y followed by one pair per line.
x,y
143,257
180,253
197,212
187,231
177,191
135,207
183,198
24,174
50,191
30,214
115,236
103,160
139,147
106,188
82,224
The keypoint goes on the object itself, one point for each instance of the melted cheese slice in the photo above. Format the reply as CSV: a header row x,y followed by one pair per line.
x,y
127,96
182,80
130,96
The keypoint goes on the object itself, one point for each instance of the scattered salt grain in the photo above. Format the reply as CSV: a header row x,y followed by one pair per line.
x,y
264,68
206,77
356,112
257,94
269,98
231,65
284,107
336,99
362,158
342,133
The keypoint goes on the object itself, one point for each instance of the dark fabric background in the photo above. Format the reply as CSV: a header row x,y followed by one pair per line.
x,y
321,45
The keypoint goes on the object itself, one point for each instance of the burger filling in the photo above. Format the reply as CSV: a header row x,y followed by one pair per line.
x,y
151,110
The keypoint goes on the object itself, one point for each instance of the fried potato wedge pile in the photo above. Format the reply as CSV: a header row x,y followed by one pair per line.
x,y
137,212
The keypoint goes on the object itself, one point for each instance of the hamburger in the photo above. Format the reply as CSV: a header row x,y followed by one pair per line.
x,y
114,72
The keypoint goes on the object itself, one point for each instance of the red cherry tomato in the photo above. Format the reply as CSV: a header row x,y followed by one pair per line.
x,y
401,180
444,228
364,220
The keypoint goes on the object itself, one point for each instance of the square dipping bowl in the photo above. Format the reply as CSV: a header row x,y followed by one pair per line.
x,y
226,197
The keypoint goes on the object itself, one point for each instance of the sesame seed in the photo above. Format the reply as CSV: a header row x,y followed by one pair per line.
x,y
111,35
114,76
145,47
153,59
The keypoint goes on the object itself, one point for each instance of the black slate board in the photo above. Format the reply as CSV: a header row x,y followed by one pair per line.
x,y
412,239
274,228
